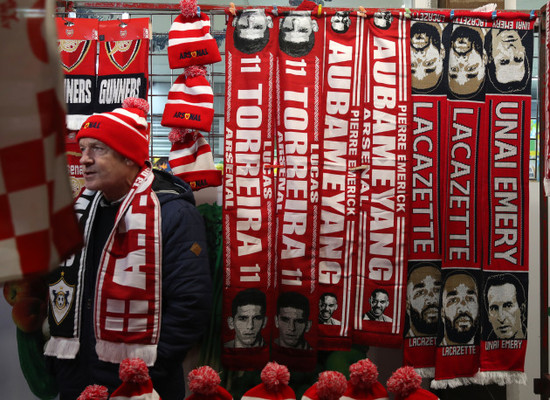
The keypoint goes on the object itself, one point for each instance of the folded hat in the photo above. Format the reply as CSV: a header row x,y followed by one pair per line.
x,y
190,101
189,38
405,384
363,382
136,382
330,385
94,392
204,382
275,378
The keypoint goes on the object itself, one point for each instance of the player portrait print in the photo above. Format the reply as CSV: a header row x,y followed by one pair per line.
x,y
427,56
252,30
297,33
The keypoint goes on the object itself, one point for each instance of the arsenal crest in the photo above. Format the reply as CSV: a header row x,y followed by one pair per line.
x,y
72,53
61,296
122,53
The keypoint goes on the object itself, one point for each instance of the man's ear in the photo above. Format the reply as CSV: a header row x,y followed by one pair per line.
x,y
314,25
230,322
308,326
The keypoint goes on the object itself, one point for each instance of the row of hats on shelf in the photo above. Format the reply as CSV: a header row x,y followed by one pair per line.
x,y
190,104
204,383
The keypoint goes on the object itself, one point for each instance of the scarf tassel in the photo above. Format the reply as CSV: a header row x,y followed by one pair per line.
x,y
61,347
116,352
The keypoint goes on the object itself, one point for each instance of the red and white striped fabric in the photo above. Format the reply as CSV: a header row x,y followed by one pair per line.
x,y
190,104
38,226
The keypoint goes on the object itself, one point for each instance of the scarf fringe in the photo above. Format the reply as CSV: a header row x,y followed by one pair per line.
x,y
60,347
452,383
500,377
426,372
116,352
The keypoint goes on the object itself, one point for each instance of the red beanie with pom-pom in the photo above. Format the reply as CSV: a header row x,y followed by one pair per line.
x,y
275,378
204,383
94,392
125,129
189,38
363,382
330,386
136,383
405,384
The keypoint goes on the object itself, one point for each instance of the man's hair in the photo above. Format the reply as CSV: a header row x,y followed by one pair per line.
x,y
502,279
430,31
379,290
327,294
246,297
506,87
460,272
294,300
250,46
296,49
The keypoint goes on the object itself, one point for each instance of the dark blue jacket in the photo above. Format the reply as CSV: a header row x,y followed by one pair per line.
x,y
186,300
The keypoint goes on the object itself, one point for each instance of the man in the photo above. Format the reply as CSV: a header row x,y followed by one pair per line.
x,y
121,301
379,300
423,290
460,309
427,55
292,320
328,303
382,19
251,33
506,307
248,319
340,21
508,65
467,60
297,33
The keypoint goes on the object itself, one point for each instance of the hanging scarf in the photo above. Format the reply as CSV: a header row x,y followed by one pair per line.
x,y
128,287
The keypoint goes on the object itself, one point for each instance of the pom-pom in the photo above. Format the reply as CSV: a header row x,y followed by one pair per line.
x,y
363,374
188,8
194,70
179,135
275,376
133,370
404,381
134,102
331,385
204,380
94,392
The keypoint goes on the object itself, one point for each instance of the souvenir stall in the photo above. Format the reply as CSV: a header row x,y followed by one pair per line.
x,y
364,178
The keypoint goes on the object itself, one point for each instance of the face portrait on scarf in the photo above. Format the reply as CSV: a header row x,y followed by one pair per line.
x,y
382,19
379,300
460,309
467,61
340,22
427,55
328,304
297,33
292,320
252,28
248,319
423,290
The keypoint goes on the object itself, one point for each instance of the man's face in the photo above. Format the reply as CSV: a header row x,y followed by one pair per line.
x,y
292,326
460,307
423,291
297,28
382,20
327,306
508,55
247,323
252,24
426,61
340,21
378,303
504,311
466,66
104,169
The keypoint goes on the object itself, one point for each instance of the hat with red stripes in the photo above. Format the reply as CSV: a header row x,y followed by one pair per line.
x,y
189,38
125,129
190,101
191,159
405,384
204,383
274,386
136,382
363,382
330,385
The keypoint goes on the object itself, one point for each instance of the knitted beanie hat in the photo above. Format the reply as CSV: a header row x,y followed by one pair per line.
x,y
136,382
191,159
363,382
190,101
331,385
189,39
94,392
405,384
125,129
275,378
204,382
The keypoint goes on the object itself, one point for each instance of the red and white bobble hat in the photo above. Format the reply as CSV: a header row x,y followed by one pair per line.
x,y
189,38
190,101
275,378
330,385
136,382
204,382
94,392
125,129
363,382
405,384
191,159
